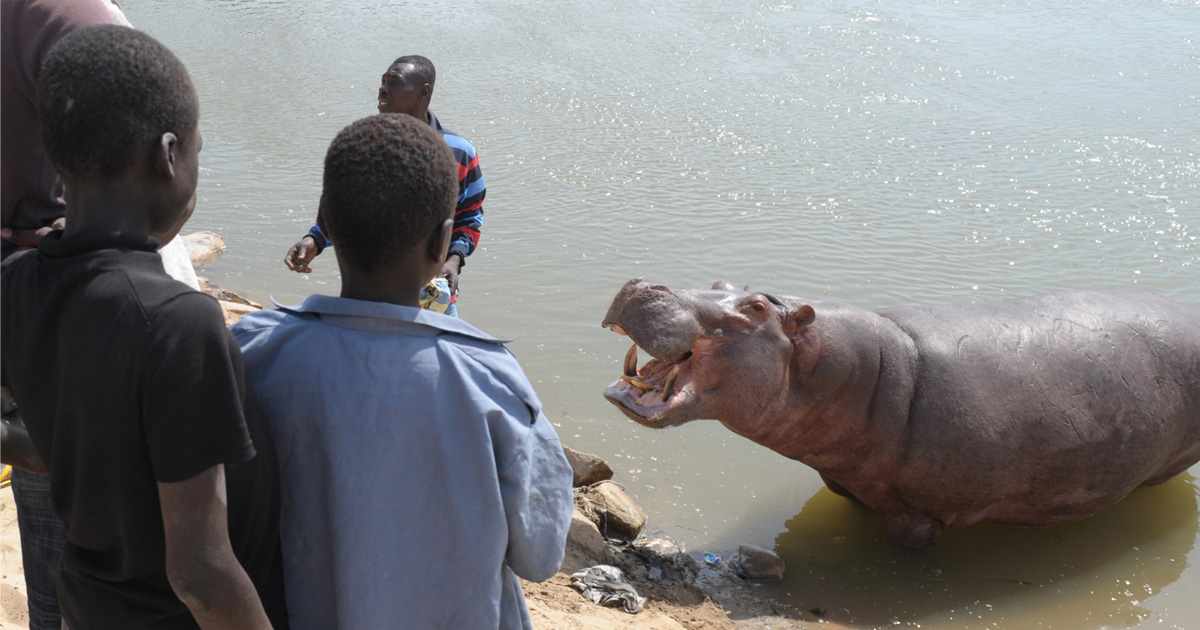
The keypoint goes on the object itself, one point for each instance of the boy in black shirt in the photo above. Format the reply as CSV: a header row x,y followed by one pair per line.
x,y
130,385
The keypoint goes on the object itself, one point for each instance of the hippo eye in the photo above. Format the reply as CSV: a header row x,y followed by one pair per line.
x,y
758,307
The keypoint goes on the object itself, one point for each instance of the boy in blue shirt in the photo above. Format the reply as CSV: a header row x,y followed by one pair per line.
x,y
420,477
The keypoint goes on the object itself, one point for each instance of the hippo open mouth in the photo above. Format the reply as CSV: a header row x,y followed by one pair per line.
x,y
665,324
654,394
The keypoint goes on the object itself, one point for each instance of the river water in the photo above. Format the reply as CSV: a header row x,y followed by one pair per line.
x,y
878,153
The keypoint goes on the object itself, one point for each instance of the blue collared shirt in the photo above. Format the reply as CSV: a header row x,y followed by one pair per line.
x,y
419,475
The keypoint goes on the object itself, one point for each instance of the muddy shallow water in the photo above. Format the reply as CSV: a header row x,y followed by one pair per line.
x,y
874,153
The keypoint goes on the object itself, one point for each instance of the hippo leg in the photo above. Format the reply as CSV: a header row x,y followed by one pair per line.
x,y
911,529
837,488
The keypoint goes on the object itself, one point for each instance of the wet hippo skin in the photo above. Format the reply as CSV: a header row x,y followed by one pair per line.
x,y
1035,411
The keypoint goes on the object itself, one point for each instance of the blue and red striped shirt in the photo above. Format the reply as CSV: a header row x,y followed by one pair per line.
x,y
468,214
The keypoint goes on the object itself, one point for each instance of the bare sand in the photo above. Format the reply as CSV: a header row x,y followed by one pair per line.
x,y
15,611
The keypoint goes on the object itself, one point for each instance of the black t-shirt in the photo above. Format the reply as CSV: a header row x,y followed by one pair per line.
x,y
126,377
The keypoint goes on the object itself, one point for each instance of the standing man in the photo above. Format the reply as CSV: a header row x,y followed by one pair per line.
x,y
33,205
31,196
407,88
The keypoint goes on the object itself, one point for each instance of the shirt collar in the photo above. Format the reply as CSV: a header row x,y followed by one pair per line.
x,y
433,121
57,244
347,307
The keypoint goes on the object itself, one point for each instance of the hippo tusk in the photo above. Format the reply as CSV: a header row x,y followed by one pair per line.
x,y
631,361
669,387
642,385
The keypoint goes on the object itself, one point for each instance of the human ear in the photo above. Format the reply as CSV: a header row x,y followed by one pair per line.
x,y
321,217
439,241
164,154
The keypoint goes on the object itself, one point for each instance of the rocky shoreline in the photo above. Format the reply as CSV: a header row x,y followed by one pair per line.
x,y
681,591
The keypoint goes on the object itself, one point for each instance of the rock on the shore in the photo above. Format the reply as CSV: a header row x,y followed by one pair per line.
x,y
614,513
233,311
760,564
203,247
589,469
233,306
585,544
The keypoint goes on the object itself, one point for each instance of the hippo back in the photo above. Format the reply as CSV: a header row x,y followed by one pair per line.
x,y
1047,408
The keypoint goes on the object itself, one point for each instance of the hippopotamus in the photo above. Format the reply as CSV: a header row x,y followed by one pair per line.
x,y
1030,412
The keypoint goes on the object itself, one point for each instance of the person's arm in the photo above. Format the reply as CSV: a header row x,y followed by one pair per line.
x,y
538,502
201,567
305,250
16,449
468,213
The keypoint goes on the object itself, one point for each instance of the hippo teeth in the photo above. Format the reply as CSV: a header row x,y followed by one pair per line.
x,y
669,386
637,382
631,367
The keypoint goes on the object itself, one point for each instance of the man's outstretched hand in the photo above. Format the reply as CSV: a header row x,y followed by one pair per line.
x,y
301,254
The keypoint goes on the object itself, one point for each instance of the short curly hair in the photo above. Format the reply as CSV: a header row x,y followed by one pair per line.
x,y
422,67
390,180
107,92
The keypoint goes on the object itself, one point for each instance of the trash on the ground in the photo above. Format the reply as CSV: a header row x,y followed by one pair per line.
x,y
712,559
605,585
739,569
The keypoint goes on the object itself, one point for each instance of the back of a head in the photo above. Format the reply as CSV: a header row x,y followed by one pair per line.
x,y
107,93
390,181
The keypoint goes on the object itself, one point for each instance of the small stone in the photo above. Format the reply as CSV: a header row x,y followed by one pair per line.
x,y
589,469
660,547
760,564
585,545
234,311
618,515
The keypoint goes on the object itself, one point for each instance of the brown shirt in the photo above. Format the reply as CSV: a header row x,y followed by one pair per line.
x,y
31,193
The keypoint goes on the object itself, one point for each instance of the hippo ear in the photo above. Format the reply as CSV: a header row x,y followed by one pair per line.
x,y
723,286
803,316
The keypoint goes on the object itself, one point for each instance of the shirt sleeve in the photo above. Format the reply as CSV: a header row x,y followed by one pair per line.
x,y
194,391
538,501
319,238
468,213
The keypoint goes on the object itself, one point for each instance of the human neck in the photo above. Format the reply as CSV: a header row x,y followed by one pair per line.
x,y
391,285
109,206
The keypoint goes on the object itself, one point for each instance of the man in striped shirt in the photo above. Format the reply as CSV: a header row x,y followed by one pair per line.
x,y
407,88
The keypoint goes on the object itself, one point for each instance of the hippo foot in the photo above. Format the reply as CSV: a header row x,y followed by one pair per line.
x,y
912,529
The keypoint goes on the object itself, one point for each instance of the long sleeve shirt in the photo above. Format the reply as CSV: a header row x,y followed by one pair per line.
x,y
468,212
